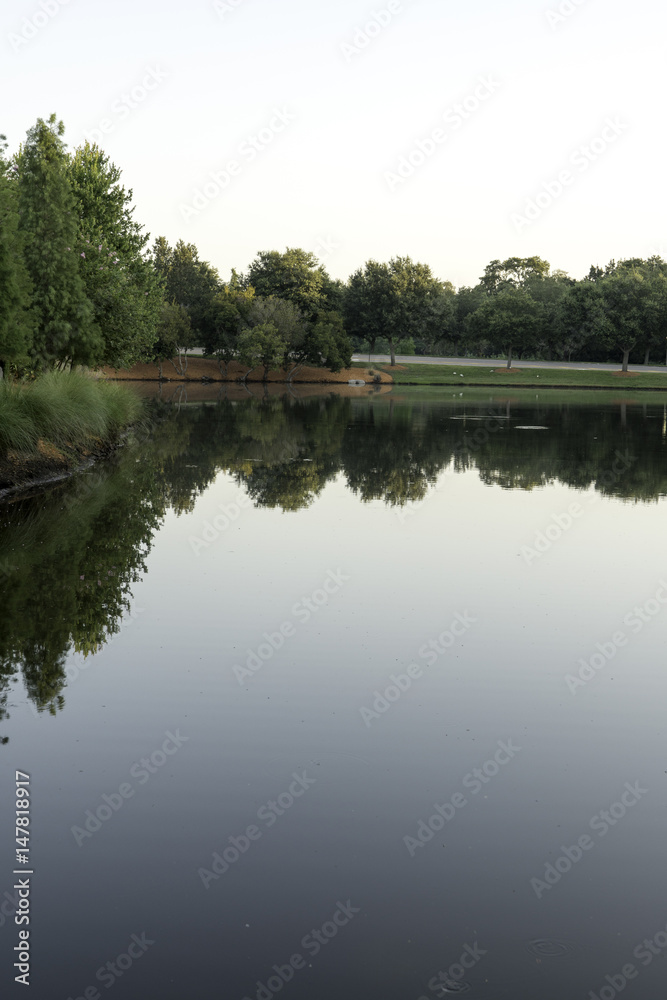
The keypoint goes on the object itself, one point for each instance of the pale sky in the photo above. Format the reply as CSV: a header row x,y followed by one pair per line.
x,y
336,93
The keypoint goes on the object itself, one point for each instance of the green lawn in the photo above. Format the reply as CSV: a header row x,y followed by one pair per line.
x,y
558,378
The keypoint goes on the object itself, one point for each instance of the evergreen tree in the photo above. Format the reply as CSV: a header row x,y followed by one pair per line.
x,y
121,283
15,286
65,329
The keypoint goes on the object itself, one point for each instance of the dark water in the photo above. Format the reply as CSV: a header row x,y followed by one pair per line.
x,y
344,698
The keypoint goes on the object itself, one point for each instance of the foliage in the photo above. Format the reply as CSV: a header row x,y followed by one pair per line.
x,y
64,409
261,345
65,328
120,282
16,319
294,275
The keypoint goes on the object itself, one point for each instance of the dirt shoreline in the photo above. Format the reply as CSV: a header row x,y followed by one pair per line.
x,y
204,369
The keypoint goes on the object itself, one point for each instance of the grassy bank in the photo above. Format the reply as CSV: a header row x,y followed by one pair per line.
x,y
558,378
52,424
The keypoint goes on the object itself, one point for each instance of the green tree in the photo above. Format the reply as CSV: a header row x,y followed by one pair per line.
x,y
624,310
396,300
173,331
509,319
291,325
294,275
329,345
190,282
579,317
65,328
261,345
415,299
514,272
229,314
368,303
15,285
120,281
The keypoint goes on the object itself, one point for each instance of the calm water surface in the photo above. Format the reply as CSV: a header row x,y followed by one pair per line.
x,y
345,697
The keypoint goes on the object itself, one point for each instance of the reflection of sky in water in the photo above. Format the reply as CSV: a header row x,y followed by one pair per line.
x,y
411,570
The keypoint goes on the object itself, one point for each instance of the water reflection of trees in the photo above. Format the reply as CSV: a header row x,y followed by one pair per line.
x,y
68,559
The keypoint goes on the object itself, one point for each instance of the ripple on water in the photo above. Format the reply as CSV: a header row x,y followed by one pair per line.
x,y
448,986
550,948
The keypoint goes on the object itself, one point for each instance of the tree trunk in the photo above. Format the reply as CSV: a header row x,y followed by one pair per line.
x,y
293,373
648,351
160,368
393,352
626,355
509,359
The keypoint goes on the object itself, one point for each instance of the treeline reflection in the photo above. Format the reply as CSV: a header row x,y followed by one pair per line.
x,y
68,558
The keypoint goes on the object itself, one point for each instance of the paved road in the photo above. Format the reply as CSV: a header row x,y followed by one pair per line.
x,y
500,363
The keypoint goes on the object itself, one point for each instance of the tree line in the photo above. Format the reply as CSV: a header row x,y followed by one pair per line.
x,y
80,285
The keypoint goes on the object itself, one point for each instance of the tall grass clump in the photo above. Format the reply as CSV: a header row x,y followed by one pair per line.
x,y
64,409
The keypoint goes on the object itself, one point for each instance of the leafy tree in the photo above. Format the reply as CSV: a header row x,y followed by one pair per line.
x,y
65,328
261,345
415,298
468,300
190,282
368,302
329,345
174,330
514,272
440,322
120,282
654,273
624,307
510,321
229,314
549,291
294,275
15,285
579,317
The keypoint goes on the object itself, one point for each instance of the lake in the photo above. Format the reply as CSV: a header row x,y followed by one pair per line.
x,y
343,695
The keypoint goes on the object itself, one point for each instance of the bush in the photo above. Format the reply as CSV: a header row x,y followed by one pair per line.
x,y
63,408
